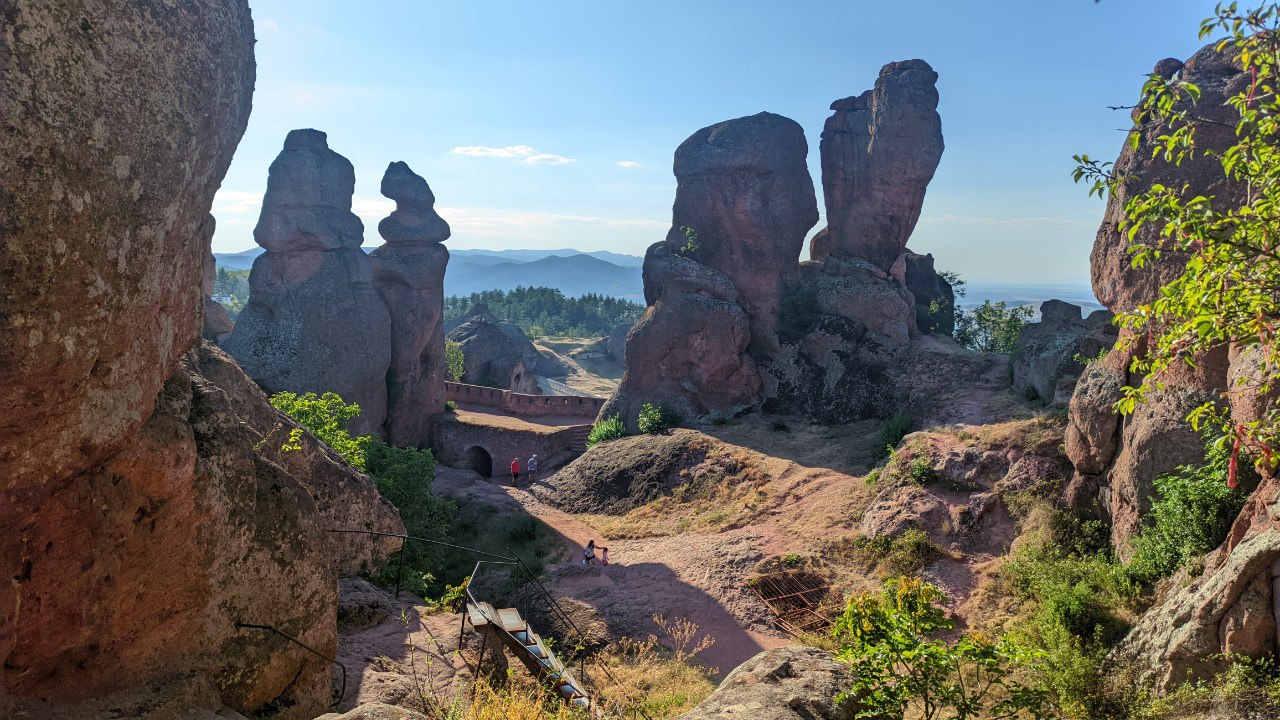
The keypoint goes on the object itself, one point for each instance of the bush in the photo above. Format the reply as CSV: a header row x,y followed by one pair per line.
x,y
404,477
610,428
779,426
327,417
991,327
656,419
455,360
450,406
895,428
901,667
1190,515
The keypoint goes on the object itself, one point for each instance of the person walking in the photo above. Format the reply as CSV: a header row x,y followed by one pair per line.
x,y
515,472
589,553
531,469
604,556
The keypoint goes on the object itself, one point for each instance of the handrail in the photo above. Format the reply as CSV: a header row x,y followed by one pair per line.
x,y
332,660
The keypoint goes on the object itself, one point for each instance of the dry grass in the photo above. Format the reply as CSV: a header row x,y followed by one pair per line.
x,y
727,489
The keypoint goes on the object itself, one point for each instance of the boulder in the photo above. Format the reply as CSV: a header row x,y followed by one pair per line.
x,y
858,290
835,373
408,274
491,356
786,683
110,162
616,343
314,322
1050,354
1117,284
879,152
935,300
689,351
743,187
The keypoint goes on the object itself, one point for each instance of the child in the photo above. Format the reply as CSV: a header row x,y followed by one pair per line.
x,y
604,556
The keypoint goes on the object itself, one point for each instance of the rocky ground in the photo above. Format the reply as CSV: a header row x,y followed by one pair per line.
x,y
586,364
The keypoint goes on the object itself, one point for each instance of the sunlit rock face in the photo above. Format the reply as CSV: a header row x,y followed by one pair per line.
x,y
879,152
408,274
314,322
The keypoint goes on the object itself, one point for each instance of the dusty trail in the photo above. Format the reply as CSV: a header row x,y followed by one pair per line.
x,y
698,577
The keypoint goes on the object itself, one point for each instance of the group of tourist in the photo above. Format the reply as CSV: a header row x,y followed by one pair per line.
x,y
530,467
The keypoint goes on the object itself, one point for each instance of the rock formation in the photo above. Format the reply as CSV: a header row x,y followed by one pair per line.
x,y
140,519
819,336
313,322
689,350
879,152
1048,357
491,356
744,203
935,300
217,323
408,274
787,683
1116,462
616,343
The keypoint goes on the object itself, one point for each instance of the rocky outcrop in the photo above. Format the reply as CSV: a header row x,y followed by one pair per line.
x,y
1117,462
1051,354
408,274
492,357
140,519
616,343
110,163
313,322
879,152
689,351
787,683
217,323
744,203
935,300
856,290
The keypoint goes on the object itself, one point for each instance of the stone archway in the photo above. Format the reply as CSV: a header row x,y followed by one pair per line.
x,y
478,459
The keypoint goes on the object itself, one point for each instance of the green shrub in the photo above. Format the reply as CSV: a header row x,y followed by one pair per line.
x,y
327,417
656,419
991,327
895,428
905,554
454,359
1191,514
404,477
610,428
779,426
450,406
921,472
901,667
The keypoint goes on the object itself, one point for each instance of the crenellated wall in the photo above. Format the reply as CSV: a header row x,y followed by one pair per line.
x,y
526,405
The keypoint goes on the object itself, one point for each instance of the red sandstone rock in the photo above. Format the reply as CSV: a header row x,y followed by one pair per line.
x,y
743,186
313,322
688,352
879,152
408,274
110,161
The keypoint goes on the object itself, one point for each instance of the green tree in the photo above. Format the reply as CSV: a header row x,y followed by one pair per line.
x,y
900,664
991,327
1227,292
327,417
454,358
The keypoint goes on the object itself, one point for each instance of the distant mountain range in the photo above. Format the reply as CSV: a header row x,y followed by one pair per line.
x,y
572,272
577,273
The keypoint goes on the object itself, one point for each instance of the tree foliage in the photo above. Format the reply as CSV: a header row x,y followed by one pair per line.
x,y
235,285
901,666
656,419
327,417
455,360
546,311
610,428
1227,294
991,327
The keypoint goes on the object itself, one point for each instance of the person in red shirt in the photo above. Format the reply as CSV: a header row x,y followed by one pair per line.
x,y
515,472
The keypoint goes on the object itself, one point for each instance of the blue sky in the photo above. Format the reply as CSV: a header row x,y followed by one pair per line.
x,y
552,124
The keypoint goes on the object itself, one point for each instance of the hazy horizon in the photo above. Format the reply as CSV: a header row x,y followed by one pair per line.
x,y
554,127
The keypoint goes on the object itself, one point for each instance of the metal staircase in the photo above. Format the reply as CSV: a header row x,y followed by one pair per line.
x,y
526,645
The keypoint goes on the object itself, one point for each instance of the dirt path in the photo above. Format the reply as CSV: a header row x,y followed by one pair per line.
x,y
694,577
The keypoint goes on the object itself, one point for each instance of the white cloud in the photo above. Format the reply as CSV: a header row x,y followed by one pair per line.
x,y
268,25
510,151
548,159
522,153
628,164
236,202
